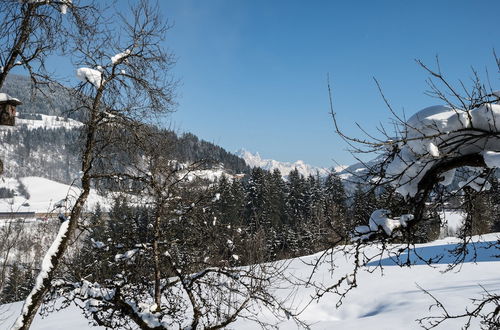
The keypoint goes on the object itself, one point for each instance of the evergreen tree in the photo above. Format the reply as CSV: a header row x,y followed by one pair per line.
x,y
277,194
257,205
296,197
18,285
478,210
335,205
494,204
364,202
389,199
224,204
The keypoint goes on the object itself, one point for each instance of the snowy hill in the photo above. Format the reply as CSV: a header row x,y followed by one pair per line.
x,y
45,140
389,302
43,194
254,160
44,121
351,172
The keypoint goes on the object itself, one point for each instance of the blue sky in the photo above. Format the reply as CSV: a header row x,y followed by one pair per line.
x,y
253,73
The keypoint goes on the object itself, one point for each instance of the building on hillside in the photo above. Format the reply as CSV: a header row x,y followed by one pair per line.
x,y
8,106
16,215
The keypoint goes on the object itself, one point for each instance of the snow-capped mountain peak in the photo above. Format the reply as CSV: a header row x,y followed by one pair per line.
x,y
255,160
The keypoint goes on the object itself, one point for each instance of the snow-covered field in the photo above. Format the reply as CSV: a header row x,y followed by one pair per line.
x,y
385,301
46,121
44,195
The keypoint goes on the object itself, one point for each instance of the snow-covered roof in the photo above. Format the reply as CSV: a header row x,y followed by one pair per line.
x,y
6,98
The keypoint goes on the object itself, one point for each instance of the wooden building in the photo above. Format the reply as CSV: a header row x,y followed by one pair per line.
x,y
8,106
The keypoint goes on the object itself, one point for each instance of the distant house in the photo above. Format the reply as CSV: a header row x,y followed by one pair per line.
x,y
16,215
8,106
32,215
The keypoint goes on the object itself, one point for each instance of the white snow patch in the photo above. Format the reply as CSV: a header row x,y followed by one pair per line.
x,y
438,125
388,301
46,121
44,195
4,97
380,219
91,75
118,57
127,255
451,222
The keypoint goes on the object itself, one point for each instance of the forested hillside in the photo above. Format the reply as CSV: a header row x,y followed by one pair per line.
x,y
52,152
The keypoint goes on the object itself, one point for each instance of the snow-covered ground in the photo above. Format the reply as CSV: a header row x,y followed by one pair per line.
x,y
385,301
452,221
210,175
46,121
44,195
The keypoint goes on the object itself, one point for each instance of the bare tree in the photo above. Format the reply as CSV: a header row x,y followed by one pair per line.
x,y
164,259
125,79
425,149
33,30
419,160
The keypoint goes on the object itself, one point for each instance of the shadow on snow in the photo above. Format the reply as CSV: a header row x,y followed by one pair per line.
x,y
443,254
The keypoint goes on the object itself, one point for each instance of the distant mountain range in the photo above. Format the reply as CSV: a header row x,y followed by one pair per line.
x,y
255,160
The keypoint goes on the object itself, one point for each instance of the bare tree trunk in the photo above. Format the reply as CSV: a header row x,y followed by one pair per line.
x,y
156,261
58,248
24,33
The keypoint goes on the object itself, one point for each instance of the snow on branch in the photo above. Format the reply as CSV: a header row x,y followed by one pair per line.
x,y
63,4
120,56
90,75
380,220
438,133
44,271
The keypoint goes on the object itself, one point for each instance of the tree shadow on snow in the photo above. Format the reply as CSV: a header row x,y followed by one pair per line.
x,y
443,254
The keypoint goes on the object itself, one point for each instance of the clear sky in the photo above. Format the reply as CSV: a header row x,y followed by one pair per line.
x,y
254,72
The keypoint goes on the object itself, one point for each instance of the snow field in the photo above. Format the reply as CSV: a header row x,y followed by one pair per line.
x,y
387,301
45,194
